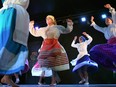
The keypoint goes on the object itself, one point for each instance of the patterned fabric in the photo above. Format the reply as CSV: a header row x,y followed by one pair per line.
x,y
105,54
12,54
85,61
37,70
53,55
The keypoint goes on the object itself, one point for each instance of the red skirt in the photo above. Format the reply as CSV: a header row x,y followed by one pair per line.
x,y
53,55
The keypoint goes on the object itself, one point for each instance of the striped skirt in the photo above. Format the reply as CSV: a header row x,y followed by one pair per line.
x,y
53,55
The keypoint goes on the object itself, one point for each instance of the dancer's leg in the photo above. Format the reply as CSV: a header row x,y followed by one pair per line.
x,y
55,78
86,76
81,76
41,77
7,80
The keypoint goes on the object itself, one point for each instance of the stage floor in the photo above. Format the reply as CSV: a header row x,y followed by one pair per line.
x,y
68,85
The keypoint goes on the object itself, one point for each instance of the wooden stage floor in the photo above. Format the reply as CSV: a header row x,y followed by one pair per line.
x,y
66,85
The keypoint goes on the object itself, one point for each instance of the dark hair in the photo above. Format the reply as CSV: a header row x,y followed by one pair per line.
x,y
110,18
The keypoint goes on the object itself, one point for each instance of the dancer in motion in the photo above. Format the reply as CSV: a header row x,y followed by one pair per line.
x,y
105,54
83,64
52,54
42,74
14,31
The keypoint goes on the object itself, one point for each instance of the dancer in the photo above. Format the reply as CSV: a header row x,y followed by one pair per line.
x,y
52,55
83,64
105,54
41,72
14,31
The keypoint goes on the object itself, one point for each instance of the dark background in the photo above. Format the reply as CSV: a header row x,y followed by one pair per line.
x,y
74,9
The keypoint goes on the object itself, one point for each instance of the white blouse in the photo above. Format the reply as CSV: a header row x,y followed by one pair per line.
x,y
82,48
53,31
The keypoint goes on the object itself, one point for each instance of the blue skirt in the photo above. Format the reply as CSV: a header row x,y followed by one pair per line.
x,y
105,55
13,55
85,61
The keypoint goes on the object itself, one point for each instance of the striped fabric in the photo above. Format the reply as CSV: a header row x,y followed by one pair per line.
x,y
53,55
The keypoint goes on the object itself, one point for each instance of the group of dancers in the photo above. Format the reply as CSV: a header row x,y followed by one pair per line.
x,y
14,31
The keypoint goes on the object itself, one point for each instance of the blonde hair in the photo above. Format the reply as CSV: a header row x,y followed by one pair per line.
x,y
53,19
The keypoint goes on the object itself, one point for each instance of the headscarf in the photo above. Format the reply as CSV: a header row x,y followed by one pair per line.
x,y
83,38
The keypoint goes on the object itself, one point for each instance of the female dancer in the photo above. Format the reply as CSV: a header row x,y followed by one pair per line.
x,y
83,64
14,31
52,55
105,54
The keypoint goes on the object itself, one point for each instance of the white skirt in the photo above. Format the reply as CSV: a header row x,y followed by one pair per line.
x,y
37,70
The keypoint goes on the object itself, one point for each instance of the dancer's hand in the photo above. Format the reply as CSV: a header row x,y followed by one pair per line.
x,y
75,37
107,6
84,33
31,24
69,22
92,19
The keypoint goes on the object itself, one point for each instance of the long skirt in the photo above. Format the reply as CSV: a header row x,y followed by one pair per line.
x,y
52,55
13,55
105,54
85,61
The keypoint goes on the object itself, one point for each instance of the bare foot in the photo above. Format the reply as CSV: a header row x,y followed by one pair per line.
x,y
8,80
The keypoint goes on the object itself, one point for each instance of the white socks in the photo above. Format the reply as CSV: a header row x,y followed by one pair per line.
x,y
17,80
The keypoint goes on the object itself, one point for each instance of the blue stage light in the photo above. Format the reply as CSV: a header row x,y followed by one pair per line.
x,y
103,16
83,19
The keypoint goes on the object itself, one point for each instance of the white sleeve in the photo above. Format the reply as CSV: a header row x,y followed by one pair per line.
x,y
64,30
36,32
73,44
98,28
113,13
89,39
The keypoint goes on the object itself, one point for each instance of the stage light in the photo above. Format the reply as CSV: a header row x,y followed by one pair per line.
x,y
103,16
83,19
36,27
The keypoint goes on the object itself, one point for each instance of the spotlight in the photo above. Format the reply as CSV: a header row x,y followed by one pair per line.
x,y
36,27
103,16
83,19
